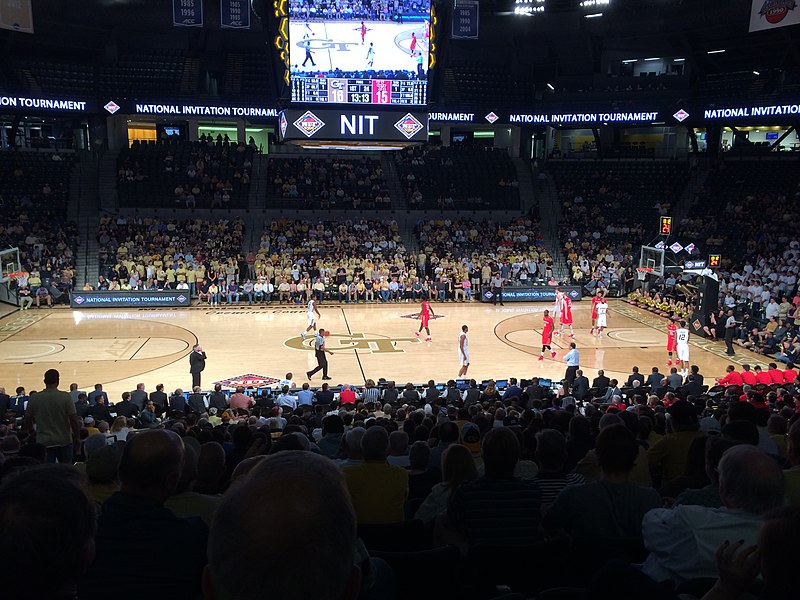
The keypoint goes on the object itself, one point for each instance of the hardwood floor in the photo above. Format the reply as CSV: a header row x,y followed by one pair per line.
x,y
120,348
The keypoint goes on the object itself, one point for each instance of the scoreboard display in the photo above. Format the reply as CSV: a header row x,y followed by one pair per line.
x,y
359,91
344,52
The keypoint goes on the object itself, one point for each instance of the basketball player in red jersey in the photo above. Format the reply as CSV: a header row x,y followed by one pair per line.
x,y
566,315
425,313
363,32
672,328
598,295
413,42
547,335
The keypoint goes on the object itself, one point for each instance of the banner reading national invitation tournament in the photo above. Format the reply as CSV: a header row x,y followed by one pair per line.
x,y
769,14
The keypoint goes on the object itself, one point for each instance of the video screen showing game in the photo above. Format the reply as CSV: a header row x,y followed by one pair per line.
x,y
359,51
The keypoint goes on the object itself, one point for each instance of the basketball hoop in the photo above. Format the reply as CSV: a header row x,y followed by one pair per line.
x,y
643,272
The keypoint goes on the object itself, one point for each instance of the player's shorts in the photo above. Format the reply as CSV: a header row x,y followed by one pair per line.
x,y
671,345
312,320
463,359
425,321
683,352
547,341
601,320
594,315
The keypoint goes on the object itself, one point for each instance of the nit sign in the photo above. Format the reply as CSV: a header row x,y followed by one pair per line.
x,y
713,260
358,124
666,225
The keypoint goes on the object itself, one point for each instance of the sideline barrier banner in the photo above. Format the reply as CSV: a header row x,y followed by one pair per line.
x,y
539,293
104,299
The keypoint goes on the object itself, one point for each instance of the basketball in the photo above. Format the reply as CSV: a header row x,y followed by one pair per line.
x,y
327,333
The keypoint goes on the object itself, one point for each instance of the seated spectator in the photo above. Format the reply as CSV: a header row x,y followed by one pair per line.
x,y
134,523
792,475
589,466
457,467
551,454
290,505
185,502
379,490
613,507
750,485
398,449
41,564
421,475
515,517
671,452
715,447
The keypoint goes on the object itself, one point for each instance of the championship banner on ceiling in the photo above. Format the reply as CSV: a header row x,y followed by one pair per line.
x,y
16,15
234,14
769,14
187,13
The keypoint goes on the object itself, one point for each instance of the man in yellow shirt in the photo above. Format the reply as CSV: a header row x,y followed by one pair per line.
x,y
671,452
378,489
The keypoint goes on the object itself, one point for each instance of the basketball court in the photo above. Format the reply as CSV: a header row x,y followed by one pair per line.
x,y
120,348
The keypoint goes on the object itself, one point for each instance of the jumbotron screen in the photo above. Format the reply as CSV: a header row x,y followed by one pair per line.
x,y
359,51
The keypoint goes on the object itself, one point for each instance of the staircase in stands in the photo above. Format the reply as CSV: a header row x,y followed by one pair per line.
x,y
259,183
549,221
83,211
396,192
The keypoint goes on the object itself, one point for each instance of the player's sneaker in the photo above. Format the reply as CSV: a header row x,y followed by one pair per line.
x,y
669,363
552,355
541,357
572,335
428,339
556,333
416,333
592,331
303,335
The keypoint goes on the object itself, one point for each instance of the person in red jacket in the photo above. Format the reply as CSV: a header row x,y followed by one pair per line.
x,y
732,378
775,373
762,376
789,374
748,377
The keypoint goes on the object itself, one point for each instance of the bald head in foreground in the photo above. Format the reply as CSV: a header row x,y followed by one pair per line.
x,y
290,512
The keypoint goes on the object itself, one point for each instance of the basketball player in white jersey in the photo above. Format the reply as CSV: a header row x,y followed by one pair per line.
x,y
313,313
602,311
463,351
682,347
557,307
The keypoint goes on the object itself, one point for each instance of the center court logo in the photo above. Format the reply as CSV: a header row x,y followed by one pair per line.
x,y
409,126
309,123
247,380
364,342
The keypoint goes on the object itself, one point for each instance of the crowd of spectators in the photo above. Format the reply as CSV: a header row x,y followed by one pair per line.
x,y
329,182
34,192
458,177
675,482
140,253
608,209
209,173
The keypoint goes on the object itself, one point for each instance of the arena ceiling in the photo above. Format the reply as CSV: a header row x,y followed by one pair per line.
x,y
560,40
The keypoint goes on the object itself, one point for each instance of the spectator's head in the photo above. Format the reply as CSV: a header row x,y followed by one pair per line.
x,y
353,443
457,466
51,378
716,446
398,443
684,416
551,450
419,455
750,480
151,464
448,432
500,452
210,465
375,444
293,509
616,450
50,543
